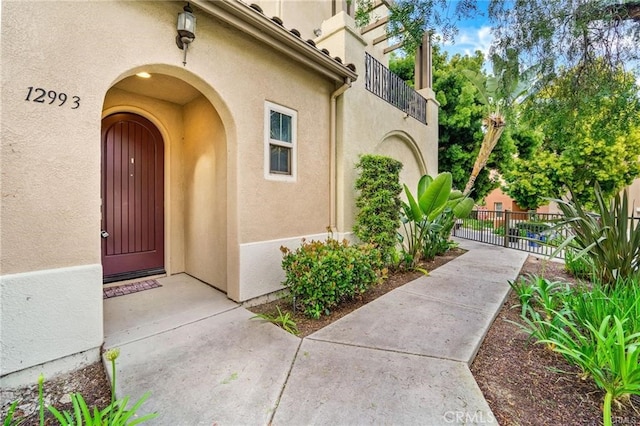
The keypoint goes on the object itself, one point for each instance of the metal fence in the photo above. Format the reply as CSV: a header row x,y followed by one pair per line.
x,y
381,81
527,231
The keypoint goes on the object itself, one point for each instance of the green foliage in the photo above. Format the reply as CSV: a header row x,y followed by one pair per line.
x,y
579,267
501,93
404,67
9,420
321,274
507,86
460,124
379,203
430,216
597,329
595,138
282,320
117,413
114,414
532,181
557,33
550,34
362,11
524,290
533,227
610,239
409,19
477,224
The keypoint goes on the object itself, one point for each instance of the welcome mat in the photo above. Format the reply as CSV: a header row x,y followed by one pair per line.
x,y
121,290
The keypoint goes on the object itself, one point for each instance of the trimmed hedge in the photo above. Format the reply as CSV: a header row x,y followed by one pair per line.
x,y
321,274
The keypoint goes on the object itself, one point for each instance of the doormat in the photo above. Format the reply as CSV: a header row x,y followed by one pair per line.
x,y
121,290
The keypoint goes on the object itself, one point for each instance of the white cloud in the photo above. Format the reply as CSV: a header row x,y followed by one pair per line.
x,y
470,39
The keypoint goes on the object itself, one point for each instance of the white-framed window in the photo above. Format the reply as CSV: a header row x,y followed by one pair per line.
x,y
498,208
280,129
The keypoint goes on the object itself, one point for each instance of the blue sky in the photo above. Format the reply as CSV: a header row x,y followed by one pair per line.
x,y
473,34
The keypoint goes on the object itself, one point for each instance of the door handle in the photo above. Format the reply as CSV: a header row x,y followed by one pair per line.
x,y
104,234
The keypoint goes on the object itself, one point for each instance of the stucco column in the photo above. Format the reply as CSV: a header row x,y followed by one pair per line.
x,y
432,118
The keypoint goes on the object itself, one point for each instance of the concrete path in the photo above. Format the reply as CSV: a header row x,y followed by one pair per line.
x,y
402,359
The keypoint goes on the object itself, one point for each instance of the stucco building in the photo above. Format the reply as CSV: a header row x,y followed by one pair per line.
x,y
204,168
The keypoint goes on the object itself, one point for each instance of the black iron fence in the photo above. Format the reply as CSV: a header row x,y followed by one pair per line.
x,y
381,81
527,231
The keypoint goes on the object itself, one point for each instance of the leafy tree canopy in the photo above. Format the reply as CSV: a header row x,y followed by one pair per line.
x,y
580,35
548,34
460,120
587,139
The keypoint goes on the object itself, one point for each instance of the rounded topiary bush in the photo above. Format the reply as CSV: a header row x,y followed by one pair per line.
x,y
321,274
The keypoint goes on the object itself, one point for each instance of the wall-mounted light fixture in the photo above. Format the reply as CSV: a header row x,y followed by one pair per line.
x,y
186,30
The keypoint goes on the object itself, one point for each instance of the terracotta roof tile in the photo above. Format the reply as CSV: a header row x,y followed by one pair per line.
x,y
295,32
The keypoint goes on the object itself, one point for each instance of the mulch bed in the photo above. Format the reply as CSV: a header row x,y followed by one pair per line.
x,y
395,279
526,384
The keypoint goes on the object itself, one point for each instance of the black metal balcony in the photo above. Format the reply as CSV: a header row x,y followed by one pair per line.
x,y
380,81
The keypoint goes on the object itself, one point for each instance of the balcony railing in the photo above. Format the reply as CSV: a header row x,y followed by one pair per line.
x,y
380,81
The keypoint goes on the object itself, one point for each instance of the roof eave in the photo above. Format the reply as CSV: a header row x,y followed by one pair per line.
x,y
257,25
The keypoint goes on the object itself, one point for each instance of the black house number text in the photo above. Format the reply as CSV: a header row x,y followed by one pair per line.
x,y
40,95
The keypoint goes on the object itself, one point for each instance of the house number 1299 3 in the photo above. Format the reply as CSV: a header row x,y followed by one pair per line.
x,y
40,95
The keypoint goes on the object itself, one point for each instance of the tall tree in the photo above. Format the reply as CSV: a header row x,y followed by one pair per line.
x,y
579,34
460,120
587,139
547,33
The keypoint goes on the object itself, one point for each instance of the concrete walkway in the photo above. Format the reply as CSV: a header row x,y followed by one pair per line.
x,y
402,359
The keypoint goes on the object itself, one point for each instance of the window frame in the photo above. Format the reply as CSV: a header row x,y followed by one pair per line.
x,y
268,142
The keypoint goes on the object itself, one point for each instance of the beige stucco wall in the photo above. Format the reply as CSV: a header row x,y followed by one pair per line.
x,y
634,198
239,73
50,182
205,194
51,154
369,124
305,16
404,148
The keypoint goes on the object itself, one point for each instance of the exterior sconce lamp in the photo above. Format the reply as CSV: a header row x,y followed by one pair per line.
x,y
186,30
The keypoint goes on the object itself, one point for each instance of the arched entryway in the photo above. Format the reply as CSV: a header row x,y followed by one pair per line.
x,y
193,176
132,197
402,147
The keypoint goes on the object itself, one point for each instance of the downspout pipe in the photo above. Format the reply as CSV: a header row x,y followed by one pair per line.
x,y
333,129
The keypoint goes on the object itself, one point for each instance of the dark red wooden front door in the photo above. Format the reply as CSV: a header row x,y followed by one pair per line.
x,y
132,197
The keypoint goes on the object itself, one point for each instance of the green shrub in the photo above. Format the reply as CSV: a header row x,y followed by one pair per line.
x,y
282,320
117,413
477,224
579,267
596,329
429,216
378,219
533,227
609,238
321,274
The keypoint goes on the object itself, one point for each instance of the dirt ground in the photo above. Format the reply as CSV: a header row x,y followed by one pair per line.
x,y
523,383
526,384
91,381
537,393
